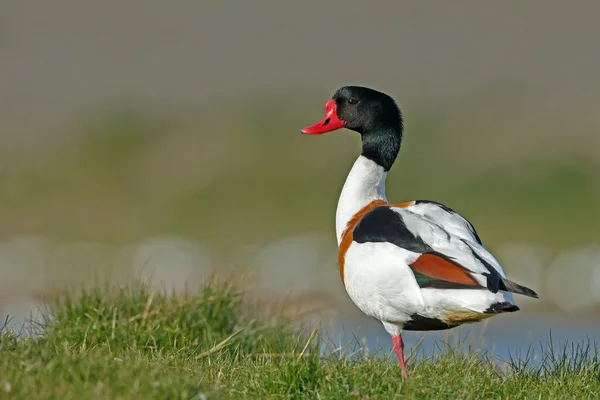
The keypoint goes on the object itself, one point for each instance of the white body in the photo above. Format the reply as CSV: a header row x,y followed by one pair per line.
x,y
377,276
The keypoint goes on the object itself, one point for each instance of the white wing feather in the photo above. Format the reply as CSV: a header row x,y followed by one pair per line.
x,y
448,233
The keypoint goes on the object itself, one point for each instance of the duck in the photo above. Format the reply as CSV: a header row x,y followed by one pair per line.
x,y
415,265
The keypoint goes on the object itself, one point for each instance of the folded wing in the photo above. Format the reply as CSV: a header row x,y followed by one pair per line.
x,y
448,252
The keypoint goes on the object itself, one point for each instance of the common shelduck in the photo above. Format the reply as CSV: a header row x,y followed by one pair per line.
x,y
416,265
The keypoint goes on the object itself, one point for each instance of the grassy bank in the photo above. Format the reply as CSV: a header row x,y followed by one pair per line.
x,y
133,343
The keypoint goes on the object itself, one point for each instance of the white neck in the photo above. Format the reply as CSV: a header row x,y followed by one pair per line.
x,y
365,183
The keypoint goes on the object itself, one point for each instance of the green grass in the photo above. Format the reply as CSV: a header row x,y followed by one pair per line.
x,y
130,342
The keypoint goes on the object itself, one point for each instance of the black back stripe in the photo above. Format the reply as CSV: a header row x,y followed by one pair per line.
x,y
383,224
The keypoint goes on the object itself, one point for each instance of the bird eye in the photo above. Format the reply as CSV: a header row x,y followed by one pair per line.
x,y
352,100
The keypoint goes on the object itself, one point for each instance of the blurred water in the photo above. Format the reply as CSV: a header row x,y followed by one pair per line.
x,y
521,335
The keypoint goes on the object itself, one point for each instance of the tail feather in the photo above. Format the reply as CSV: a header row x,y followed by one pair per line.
x,y
513,287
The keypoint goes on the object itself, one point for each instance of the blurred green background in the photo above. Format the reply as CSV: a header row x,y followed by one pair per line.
x,y
247,176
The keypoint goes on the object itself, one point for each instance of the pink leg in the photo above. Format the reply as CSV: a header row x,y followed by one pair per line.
x,y
399,349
